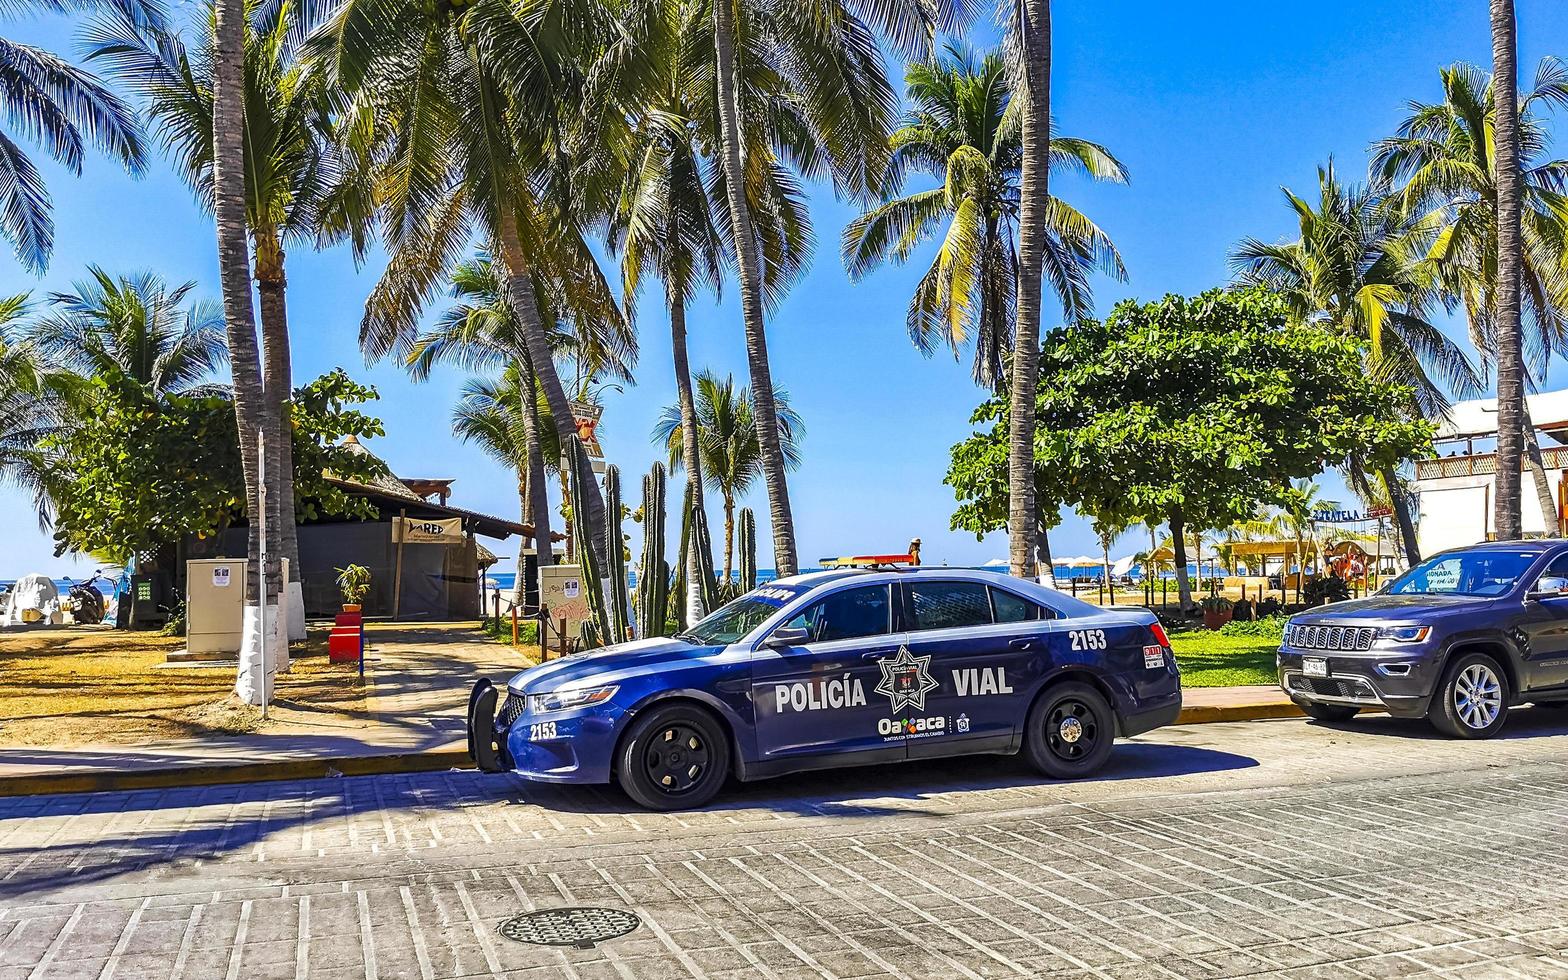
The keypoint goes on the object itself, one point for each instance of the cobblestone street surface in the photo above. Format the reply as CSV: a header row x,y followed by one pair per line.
x,y
1210,851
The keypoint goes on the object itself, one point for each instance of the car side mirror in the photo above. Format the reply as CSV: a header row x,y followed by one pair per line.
x,y
1549,587
786,636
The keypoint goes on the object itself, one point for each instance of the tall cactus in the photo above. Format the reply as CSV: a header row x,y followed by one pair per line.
x,y
707,585
747,526
587,560
653,583
615,555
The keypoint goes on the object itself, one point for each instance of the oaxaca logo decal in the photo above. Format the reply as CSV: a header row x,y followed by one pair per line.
x,y
906,680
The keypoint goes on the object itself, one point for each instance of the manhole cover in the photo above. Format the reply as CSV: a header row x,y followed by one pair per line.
x,y
580,927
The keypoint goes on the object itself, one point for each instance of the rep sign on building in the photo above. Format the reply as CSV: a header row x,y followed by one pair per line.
x,y
419,530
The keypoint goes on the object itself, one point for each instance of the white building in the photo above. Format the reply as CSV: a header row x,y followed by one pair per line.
x,y
1456,488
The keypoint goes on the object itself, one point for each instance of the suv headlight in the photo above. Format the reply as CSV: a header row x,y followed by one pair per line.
x,y
580,697
1404,634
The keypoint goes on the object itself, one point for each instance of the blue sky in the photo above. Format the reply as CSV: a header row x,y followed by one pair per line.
x,y
1212,107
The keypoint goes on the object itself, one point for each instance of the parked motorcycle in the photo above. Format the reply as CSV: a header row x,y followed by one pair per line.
x,y
83,600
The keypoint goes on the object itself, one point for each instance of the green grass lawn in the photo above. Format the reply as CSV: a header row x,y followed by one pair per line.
x,y
1213,660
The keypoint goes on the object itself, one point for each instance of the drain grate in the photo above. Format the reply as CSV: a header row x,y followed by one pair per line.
x,y
580,927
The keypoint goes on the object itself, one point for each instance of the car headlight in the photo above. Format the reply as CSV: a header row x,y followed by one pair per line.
x,y
580,697
1404,634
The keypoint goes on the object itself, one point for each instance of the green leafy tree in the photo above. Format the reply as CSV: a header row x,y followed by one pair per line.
x,y
964,131
727,440
153,470
1191,412
29,405
1459,165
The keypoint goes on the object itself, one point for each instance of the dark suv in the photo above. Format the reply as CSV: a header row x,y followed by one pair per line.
x,y
1457,639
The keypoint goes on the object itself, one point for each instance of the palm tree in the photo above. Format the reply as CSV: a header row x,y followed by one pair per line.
x,y
826,55
728,445
63,109
295,171
1507,325
1302,500
1445,166
134,327
480,332
1357,269
1029,37
964,132
467,103
29,406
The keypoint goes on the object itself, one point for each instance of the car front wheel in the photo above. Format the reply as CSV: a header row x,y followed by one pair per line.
x,y
1472,701
1070,731
674,758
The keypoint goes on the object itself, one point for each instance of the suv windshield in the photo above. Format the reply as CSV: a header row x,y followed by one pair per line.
x,y
1475,573
729,623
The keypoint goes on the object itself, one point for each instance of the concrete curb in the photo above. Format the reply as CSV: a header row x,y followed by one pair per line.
x,y
407,762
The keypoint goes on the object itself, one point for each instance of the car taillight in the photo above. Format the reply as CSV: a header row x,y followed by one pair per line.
x,y
1159,635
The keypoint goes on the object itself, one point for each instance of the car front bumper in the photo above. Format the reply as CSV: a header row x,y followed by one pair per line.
x,y
555,747
1398,681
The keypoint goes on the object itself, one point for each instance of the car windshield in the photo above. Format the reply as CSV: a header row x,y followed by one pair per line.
x,y
1473,573
730,623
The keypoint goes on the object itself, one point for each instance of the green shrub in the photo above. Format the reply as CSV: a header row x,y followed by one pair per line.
x,y
1269,628
1325,589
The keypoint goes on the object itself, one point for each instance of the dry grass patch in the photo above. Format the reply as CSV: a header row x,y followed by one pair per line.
x,y
87,685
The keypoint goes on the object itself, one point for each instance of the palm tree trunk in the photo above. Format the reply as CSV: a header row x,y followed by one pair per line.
x,y
520,294
1042,548
729,535
1537,465
748,268
690,457
251,415
277,368
1400,504
1034,34
1179,546
536,480
1510,261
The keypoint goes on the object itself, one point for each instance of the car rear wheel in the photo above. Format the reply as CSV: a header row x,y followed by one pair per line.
x,y
1071,729
674,758
1328,712
1472,700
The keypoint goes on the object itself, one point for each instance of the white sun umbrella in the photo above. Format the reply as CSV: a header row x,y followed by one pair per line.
x,y
997,563
1124,565
1083,561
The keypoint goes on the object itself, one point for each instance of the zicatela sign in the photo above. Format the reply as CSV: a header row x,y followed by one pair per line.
x,y
418,530
1350,516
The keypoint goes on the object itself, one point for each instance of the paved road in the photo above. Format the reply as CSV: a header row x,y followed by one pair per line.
x,y
1208,851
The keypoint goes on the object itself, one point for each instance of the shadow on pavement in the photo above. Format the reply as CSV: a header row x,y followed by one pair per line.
x,y
1530,722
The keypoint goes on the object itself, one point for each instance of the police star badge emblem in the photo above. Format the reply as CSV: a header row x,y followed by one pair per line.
x,y
906,680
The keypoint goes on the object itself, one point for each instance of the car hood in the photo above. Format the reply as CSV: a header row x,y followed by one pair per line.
x,y
608,664
1392,606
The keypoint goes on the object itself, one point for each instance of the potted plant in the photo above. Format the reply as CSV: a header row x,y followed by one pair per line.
x,y
354,583
1216,611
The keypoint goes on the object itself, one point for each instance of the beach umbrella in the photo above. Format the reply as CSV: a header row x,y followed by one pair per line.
x,y
1124,565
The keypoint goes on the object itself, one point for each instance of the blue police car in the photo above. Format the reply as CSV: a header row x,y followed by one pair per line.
x,y
838,668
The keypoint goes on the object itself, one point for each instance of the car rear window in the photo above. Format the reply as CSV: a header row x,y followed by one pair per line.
x,y
1009,608
949,605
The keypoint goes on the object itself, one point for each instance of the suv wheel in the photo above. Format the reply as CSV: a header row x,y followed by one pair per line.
x,y
1328,712
674,758
1472,700
1070,731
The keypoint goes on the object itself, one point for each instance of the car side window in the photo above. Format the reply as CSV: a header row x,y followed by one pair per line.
x,y
1555,578
949,605
1009,608
847,615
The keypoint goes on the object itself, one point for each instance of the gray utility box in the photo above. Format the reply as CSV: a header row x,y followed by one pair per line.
x,y
214,607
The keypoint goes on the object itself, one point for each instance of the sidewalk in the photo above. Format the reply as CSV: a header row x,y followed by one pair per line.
x,y
420,677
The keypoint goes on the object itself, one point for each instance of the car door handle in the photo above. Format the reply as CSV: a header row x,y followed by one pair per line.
x,y
876,654
1020,644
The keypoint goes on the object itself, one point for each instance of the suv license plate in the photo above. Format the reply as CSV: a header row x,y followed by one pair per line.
x,y
1314,666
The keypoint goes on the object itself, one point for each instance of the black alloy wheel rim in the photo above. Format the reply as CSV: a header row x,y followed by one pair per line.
x,y
1072,730
677,758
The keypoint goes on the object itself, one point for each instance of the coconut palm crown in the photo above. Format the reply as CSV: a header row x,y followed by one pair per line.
x,y
964,132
